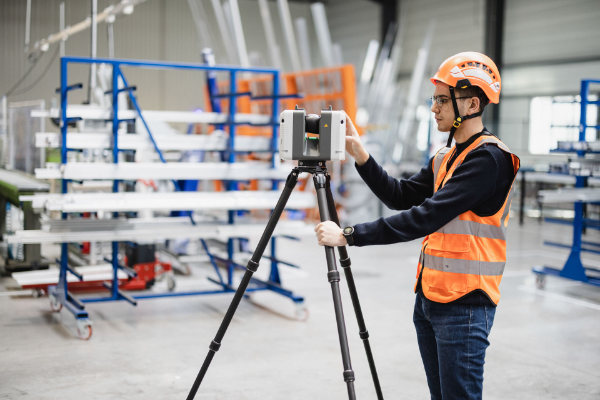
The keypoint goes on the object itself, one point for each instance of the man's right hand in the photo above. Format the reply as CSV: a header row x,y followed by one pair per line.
x,y
354,145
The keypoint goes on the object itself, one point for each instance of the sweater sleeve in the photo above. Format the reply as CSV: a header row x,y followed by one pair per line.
x,y
472,183
397,194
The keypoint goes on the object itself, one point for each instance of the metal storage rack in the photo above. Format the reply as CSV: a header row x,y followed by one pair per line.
x,y
579,196
59,294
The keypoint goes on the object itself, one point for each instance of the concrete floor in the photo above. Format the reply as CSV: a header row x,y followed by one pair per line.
x,y
544,344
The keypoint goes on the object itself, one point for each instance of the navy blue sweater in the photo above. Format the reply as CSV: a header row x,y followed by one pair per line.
x,y
479,184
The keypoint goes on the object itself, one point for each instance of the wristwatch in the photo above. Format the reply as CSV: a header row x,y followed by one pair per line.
x,y
348,232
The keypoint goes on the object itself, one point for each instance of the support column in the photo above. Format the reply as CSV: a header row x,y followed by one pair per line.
x,y
494,43
389,15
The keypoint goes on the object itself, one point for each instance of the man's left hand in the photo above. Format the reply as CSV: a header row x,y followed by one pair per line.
x,y
329,234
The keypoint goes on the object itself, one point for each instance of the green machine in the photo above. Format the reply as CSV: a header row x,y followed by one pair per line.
x,y
14,184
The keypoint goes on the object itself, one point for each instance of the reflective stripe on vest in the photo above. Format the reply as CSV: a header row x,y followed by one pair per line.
x,y
463,266
458,226
469,252
437,161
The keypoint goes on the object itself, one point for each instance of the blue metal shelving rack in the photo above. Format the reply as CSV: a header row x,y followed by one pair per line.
x,y
573,267
59,294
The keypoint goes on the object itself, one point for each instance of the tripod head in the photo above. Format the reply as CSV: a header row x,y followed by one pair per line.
x,y
311,166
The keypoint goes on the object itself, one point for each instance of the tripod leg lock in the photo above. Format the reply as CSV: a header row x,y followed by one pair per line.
x,y
364,335
252,266
333,276
214,346
320,181
291,180
349,376
345,262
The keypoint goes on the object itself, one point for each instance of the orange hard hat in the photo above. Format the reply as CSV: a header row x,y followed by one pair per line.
x,y
470,69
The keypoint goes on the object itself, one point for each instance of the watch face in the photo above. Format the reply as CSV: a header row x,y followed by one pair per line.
x,y
348,230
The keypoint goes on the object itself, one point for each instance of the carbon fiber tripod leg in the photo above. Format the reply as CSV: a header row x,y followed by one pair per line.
x,y
345,262
250,269
333,276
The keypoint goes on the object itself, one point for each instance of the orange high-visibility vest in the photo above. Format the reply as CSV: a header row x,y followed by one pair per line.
x,y
469,252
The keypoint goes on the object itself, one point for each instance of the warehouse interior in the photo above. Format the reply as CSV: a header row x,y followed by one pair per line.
x,y
115,284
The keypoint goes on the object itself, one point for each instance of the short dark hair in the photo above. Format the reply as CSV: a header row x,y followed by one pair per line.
x,y
474,91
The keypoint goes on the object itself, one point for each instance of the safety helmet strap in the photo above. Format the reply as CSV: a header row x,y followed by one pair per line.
x,y
458,119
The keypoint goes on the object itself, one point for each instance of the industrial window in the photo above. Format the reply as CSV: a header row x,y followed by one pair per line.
x,y
556,118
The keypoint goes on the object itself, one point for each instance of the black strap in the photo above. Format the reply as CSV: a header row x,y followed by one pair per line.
x,y
458,119
454,104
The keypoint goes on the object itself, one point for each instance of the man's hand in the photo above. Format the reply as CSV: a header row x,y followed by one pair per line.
x,y
329,234
354,146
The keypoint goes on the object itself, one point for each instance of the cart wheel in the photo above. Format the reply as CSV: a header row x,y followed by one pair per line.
x,y
84,329
55,304
170,282
540,281
302,312
37,293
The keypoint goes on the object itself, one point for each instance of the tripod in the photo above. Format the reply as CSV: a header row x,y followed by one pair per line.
x,y
327,212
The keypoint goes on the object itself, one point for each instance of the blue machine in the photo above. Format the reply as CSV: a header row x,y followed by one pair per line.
x,y
573,267
59,294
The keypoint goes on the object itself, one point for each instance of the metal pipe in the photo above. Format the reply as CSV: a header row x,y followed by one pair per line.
x,y
27,25
124,7
110,33
93,46
61,25
4,133
367,71
304,43
413,94
274,52
200,21
338,58
384,54
323,35
224,30
290,38
369,63
174,65
238,32
229,27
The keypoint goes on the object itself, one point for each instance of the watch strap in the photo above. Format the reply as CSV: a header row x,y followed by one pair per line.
x,y
348,233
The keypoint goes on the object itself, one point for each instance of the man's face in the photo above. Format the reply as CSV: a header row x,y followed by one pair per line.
x,y
444,113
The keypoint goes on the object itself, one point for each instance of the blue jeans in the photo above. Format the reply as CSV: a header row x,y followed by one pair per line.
x,y
452,340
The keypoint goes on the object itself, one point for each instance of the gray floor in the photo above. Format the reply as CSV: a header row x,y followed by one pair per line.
x,y
545,344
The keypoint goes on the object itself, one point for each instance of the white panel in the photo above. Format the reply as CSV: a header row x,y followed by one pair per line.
x,y
521,84
459,27
540,80
514,124
353,24
139,201
538,30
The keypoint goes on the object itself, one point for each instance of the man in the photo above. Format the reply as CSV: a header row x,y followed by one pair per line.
x,y
460,203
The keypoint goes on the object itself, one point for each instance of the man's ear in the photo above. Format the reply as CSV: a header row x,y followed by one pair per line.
x,y
474,104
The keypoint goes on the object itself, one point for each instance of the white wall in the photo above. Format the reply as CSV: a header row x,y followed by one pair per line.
x,y
545,30
458,27
549,47
353,24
